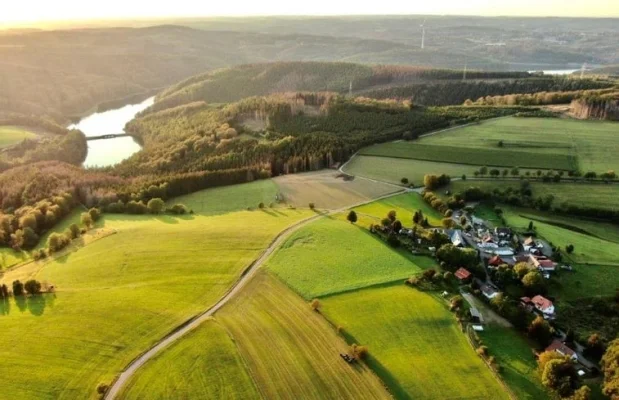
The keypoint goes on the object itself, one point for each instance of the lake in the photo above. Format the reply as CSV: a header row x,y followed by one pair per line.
x,y
107,152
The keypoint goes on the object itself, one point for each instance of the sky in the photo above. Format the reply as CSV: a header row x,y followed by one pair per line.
x,y
34,11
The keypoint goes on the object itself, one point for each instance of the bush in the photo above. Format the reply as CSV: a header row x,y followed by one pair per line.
x,y
33,287
178,209
18,288
315,304
261,205
57,242
359,352
155,206
352,217
312,206
136,207
404,181
74,231
86,220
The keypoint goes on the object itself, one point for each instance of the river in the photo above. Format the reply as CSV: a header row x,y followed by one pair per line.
x,y
107,152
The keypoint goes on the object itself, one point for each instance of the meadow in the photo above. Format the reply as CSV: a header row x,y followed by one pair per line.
x,y
514,354
204,364
134,286
495,157
330,256
10,135
394,169
291,351
328,191
594,143
415,344
404,205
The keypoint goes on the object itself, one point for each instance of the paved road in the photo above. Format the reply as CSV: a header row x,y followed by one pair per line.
x,y
194,322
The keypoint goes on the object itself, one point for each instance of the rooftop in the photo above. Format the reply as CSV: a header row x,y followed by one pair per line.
x,y
463,274
561,348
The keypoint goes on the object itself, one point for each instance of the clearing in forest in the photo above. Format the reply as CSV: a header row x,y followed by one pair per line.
x,y
10,135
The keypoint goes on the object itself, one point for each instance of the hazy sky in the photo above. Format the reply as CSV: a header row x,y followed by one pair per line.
x,y
49,10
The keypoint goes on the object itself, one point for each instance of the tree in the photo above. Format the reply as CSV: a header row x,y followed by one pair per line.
x,y
261,205
610,368
590,175
560,375
155,206
352,216
521,269
483,171
448,223
455,257
534,283
312,206
463,177
397,226
569,248
404,181
430,181
500,143
515,171
391,215
530,227
95,214
417,217
18,288
359,352
449,213
86,220
315,304
33,287
75,231
57,241
540,331
595,346
494,173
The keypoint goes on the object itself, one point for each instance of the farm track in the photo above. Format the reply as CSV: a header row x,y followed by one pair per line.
x,y
245,277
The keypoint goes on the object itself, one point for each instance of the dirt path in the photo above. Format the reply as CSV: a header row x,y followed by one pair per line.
x,y
194,322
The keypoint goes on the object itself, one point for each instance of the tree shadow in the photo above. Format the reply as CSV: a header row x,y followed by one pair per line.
x,y
5,306
271,212
36,304
20,301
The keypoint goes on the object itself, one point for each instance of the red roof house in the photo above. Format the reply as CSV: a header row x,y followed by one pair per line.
x,y
496,261
543,304
562,349
463,274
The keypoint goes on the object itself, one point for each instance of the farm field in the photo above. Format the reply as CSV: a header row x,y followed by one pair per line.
x,y
350,258
414,343
582,194
226,199
515,355
291,351
204,364
394,169
327,191
10,135
594,143
404,205
162,271
495,157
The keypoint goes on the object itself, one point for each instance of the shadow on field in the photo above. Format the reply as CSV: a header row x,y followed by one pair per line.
x,y
35,304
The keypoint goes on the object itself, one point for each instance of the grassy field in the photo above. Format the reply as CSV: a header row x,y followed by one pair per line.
x,y
291,351
394,169
229,198
331,256
10,135
582,194
204,364
118,295
456,154
594,143
515,355
327,191
414,342
404,205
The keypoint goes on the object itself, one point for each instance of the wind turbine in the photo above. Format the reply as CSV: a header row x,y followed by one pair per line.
x,y
423,34
582,71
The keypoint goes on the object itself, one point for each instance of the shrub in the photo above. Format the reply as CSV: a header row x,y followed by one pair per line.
x,y
74,231
404,181
33,287
312,206
57,242
18,288
352,217
359,352
155,206
261,205
482,351
102,388
178,209
315,304
95,214
86,220
136,207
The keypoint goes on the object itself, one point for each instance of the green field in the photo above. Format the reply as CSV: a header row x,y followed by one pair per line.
x,y
204,364
229,198
394,169
10,135
594,143
456,154
330,256
291,351
404,205
118,295
515,355
414,342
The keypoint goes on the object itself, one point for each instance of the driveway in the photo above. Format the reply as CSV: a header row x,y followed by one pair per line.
x,y
489,315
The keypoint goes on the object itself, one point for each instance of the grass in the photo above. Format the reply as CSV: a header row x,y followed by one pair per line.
x,y
394,169
519,367
227,199
120,294
594,143
204,364
291,351
330,256
10,135
456,154
404,205
327,191
414,343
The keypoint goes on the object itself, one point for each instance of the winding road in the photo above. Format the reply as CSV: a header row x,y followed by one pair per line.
x,y
246,276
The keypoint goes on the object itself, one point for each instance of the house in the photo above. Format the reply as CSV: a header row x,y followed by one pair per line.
x,y
487,239
489,292
457,239
477,221
530,242
540,303
503,232
496,261
542,263
462,274
562,349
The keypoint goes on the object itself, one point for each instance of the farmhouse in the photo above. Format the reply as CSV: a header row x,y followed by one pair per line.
x,y
495,261
542,263
463,274
488,291
561,348
539,303
457,239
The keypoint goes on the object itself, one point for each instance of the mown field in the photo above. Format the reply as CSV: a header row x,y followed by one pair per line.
x,y
515,355
204,364
404,205
414,343
118,295
496,157
327,191
594,143
330,256
291,351
10,135
394,169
